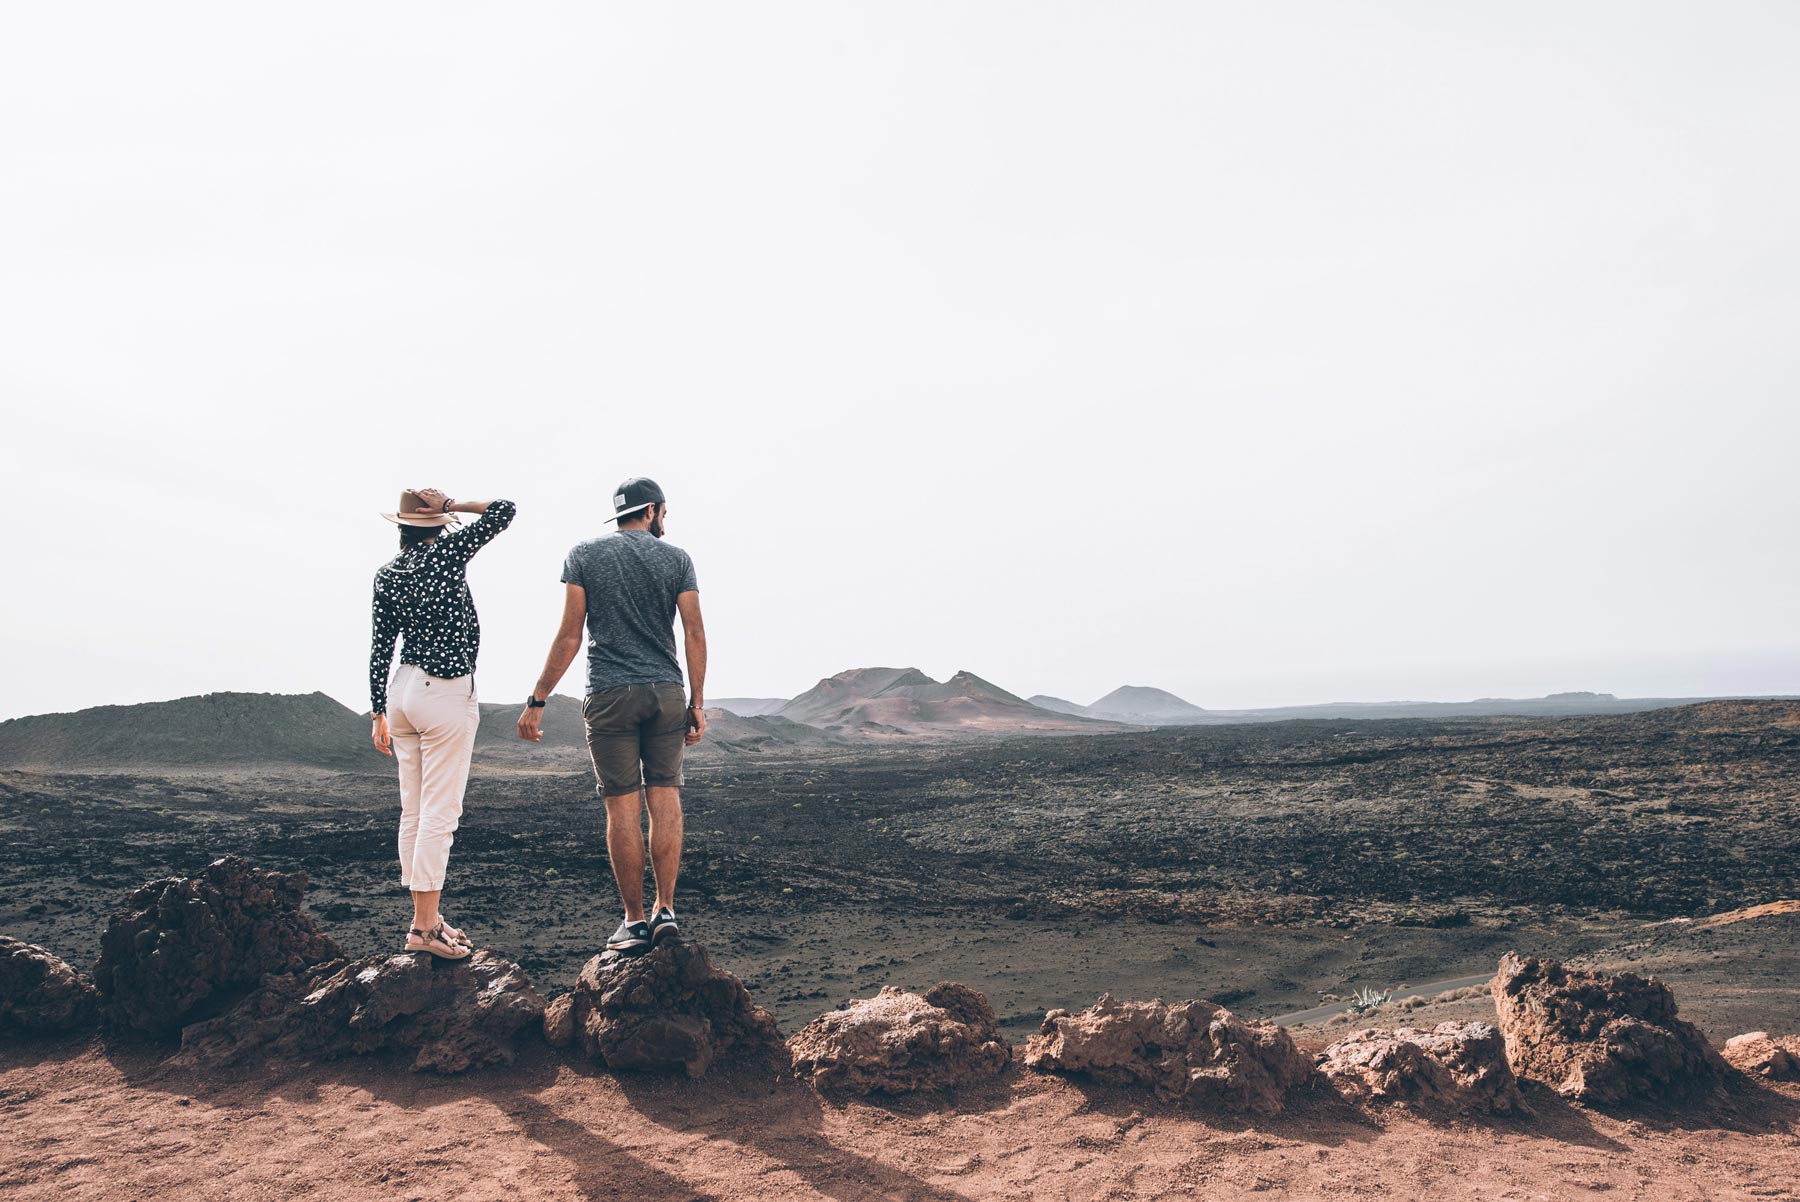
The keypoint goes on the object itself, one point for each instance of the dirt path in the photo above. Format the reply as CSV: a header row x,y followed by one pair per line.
x,y
80,1122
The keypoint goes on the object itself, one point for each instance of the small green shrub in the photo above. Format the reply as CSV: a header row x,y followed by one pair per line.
x,y
1366,1000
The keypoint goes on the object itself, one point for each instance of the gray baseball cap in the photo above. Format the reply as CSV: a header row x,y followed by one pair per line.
x,y
639,492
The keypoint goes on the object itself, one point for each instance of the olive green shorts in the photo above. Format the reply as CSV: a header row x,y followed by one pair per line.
x,y
636,734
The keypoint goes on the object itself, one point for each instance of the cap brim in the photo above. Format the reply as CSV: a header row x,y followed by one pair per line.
x,y
430,519
625,513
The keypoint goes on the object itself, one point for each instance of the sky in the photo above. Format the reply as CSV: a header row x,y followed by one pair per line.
x,y
1268,354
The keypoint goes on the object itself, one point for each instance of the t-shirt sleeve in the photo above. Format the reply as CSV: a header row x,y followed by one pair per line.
x,y
688,583
572,568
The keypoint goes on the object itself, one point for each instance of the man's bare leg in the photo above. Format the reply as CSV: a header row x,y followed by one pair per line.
x,y
625,848
665,843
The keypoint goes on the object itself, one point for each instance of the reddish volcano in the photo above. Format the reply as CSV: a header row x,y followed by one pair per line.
x,y
891,702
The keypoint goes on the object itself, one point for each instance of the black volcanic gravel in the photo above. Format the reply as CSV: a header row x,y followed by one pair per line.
x,y
1413,823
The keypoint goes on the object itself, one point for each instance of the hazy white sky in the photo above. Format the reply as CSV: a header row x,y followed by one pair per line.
x,y
1267,353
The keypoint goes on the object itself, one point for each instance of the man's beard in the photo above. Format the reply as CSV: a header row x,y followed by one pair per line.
x,y
656,526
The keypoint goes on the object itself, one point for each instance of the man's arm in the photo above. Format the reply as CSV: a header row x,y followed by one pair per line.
x,y
562,653
694,632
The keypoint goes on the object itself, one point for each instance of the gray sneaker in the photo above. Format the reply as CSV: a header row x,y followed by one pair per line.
x,y
663,929
630,939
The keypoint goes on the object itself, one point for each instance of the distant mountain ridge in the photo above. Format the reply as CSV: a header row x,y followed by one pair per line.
x,y
243,731
564,746
209,731
1145,706
1134,704
893,702
1142,706
284,732
750,707
1553,705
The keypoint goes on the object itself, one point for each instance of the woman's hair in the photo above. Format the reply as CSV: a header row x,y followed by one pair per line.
x,y
412,536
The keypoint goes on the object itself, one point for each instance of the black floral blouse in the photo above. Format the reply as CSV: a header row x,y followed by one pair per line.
x,y
423,594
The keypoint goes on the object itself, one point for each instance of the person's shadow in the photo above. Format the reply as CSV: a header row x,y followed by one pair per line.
x,y
601,1167
757,1104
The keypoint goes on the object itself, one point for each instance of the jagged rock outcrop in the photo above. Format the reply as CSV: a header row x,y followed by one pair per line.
x,y
1192,1051
897,1041
1597,1038
187,948
1455,1066
666,1010
1761,1055
39,993
449,1015
559,1020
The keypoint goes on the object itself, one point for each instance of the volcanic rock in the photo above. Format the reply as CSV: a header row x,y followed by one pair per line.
x,y
670,1008
258,1020
186,948
451,1015
1760,1055
559,1021
1460,1066
40,993
1595,1038
896,1041
1190,1051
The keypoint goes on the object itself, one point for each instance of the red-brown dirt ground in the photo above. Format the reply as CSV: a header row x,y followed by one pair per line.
x,y
84,1123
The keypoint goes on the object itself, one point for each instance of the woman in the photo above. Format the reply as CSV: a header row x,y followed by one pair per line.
x,y
426,715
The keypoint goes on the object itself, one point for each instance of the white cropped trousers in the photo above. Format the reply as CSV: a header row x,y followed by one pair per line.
x,y
432,723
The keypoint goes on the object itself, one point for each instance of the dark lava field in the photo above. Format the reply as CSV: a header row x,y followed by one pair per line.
x,y
1265,866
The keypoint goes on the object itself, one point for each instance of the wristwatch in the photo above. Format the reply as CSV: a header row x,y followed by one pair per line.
x,y
532,703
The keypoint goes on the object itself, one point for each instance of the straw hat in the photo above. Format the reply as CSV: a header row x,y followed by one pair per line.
x,y
408,513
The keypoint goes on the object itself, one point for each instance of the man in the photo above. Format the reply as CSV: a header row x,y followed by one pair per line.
x,y
627,587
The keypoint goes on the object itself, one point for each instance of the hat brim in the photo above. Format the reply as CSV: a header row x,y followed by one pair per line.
x,y
429,519
625,513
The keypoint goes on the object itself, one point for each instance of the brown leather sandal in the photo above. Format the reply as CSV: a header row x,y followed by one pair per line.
x,y
460,938
452,950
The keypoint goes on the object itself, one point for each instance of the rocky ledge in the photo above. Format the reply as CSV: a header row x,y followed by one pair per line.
x,y
188,948
1599,1038
1759,1054
670,1009
896,1042
1189,1051
39,993
449,1016
1453,1066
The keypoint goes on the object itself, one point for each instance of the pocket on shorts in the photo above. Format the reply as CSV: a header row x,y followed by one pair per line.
x,y
671,708
608,711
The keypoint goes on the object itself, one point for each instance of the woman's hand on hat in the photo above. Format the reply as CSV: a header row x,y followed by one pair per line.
x,y
433,501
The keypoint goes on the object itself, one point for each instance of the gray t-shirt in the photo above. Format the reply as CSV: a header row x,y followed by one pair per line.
x,y
632,579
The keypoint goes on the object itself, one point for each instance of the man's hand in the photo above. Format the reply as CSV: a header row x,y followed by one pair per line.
x,y
696,724
379,734
531,724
